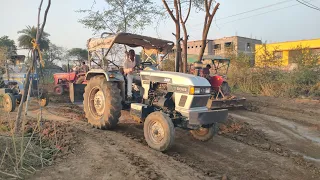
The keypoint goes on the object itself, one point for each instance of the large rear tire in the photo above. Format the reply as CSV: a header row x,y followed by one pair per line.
x,y
225,88
9,102
1,83
203,134
159,131
58,90
102,103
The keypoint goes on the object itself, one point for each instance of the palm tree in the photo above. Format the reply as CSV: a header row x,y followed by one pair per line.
x,y
30,33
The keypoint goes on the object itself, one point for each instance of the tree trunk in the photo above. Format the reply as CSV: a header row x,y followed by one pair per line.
x,y
206,27
185,48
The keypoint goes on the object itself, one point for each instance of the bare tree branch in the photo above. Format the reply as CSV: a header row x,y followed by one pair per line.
x,y
45,19
169,11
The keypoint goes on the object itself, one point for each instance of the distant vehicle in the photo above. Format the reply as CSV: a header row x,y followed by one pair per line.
x,y
221,92
13,84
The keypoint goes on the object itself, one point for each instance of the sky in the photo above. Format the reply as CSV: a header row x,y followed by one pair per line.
x,y
286,21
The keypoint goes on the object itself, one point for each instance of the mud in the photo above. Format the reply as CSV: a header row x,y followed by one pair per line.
x,y
258,144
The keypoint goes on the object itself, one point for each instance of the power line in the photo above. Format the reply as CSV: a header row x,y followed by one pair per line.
x,y
256,14
309,5
245,12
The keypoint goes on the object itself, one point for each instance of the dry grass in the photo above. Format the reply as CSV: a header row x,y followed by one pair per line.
x,y
23,153
303,81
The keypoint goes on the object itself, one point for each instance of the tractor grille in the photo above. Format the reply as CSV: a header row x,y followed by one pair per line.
x,y
183,100
199,101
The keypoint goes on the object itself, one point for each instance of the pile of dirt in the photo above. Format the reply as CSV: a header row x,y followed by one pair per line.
x,y
43,143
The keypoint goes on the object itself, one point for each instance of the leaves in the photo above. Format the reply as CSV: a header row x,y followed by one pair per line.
x,y
8,44
121,16
30,33
78,54
54,53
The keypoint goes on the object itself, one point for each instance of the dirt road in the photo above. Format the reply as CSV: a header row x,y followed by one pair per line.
x,y
252,145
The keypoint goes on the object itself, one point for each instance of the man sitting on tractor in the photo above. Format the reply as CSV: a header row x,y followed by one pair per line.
x,y
128,68
206,72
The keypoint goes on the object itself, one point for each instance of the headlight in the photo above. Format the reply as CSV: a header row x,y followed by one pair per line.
x,y
197,91
208,90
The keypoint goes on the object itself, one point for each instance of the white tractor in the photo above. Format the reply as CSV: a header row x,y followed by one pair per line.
x,y
163,100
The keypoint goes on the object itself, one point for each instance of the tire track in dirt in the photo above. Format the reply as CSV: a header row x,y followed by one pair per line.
x,y
229,155
223,156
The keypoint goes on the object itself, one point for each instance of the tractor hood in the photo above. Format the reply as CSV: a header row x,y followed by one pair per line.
x,y
175,78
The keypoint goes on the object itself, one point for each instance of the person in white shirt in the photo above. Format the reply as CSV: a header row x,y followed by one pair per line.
x,y
128,68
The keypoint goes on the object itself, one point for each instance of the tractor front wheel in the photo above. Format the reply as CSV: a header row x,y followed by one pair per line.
x,y
203,134
9,102
102,103
159,131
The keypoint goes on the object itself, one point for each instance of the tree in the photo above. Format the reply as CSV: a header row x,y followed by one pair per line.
x,y
78,54
27,90
8,44
54,53
30,33
207,24
120,16
177,17
176,20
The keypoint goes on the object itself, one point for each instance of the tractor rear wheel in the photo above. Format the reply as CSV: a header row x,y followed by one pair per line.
x,y
9,102
58,90
203,134
102,103
159,131
225,88
1,83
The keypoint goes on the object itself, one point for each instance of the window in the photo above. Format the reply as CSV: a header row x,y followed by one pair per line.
x,y
217,47
196,46
278,54
228,46
248,46
191,46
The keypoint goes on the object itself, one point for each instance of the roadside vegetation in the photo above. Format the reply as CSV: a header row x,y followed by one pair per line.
x,y
271,79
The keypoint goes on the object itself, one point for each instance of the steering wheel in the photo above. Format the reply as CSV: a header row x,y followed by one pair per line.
x,y
142,65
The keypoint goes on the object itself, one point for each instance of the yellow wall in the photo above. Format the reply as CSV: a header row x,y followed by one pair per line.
x,y
284,47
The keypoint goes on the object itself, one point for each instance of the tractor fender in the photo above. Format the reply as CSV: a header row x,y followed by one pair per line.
x,y
110,76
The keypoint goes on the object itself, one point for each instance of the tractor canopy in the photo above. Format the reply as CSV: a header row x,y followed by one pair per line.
x,y
219,64
132,40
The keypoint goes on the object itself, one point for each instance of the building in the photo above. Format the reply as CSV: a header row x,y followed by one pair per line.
x,y
285,53
223,47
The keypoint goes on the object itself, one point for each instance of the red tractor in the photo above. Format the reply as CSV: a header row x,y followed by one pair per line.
x,y
215,69
62,80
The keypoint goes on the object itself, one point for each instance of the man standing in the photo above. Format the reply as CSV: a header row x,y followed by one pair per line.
x,y
84,67
128,67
